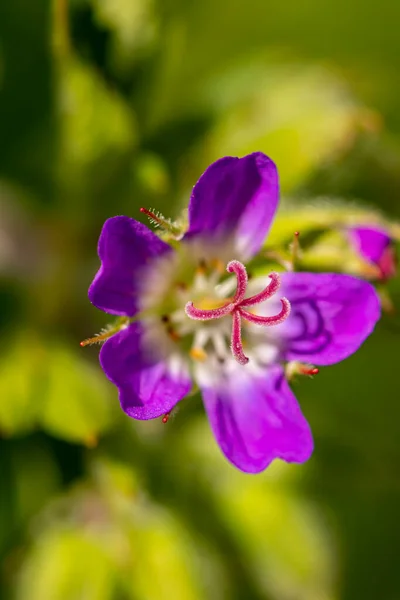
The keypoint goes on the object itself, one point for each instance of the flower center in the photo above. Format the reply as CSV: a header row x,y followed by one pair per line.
x,y
237,308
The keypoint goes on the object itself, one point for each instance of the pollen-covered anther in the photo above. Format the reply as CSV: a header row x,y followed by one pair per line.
x,y
218,265
202,267
198,354
236,308
173,334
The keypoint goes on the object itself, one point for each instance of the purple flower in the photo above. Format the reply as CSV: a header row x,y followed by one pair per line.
x,y
374,244
193,314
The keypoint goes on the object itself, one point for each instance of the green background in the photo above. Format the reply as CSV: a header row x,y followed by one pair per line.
x,y
109,105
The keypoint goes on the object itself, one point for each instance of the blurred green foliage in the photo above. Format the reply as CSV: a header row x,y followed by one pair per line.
x,y
109,105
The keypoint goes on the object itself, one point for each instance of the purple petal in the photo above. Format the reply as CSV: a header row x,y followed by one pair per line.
x,y
374,244
238,195
125,247
332,315
370,242
257,419
148,388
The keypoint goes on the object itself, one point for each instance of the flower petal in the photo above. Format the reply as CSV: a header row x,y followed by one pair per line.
x,y
147,388
256,418
332,315
125,246
237,195
370,242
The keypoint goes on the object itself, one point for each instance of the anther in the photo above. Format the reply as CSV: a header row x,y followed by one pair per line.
x,y
198,354
305,370
202,266
166,417
294,368
218,265
172,334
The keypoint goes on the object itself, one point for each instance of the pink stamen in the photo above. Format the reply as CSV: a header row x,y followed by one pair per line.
x,y
269,291
199,314
268,321
241,274
236,308
236,339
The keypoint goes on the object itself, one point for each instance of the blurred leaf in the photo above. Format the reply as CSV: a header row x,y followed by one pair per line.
x,y
281,536
161,551
36,477
320,214
67,565
164,557
19,385
258,113
76,405
54,388
134,27
96,122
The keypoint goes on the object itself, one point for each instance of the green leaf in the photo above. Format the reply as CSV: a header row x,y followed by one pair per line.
x,y
67,564
263,116
280,535
19,382
76,406
96,123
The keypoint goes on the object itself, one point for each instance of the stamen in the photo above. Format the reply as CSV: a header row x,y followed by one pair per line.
x,y
218,339
268,321
269,291
295,250
240,271
204,315
198,354
218,265
172,334
236,339
202,267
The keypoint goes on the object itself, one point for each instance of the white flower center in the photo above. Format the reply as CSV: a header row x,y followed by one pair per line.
x,y
204,345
